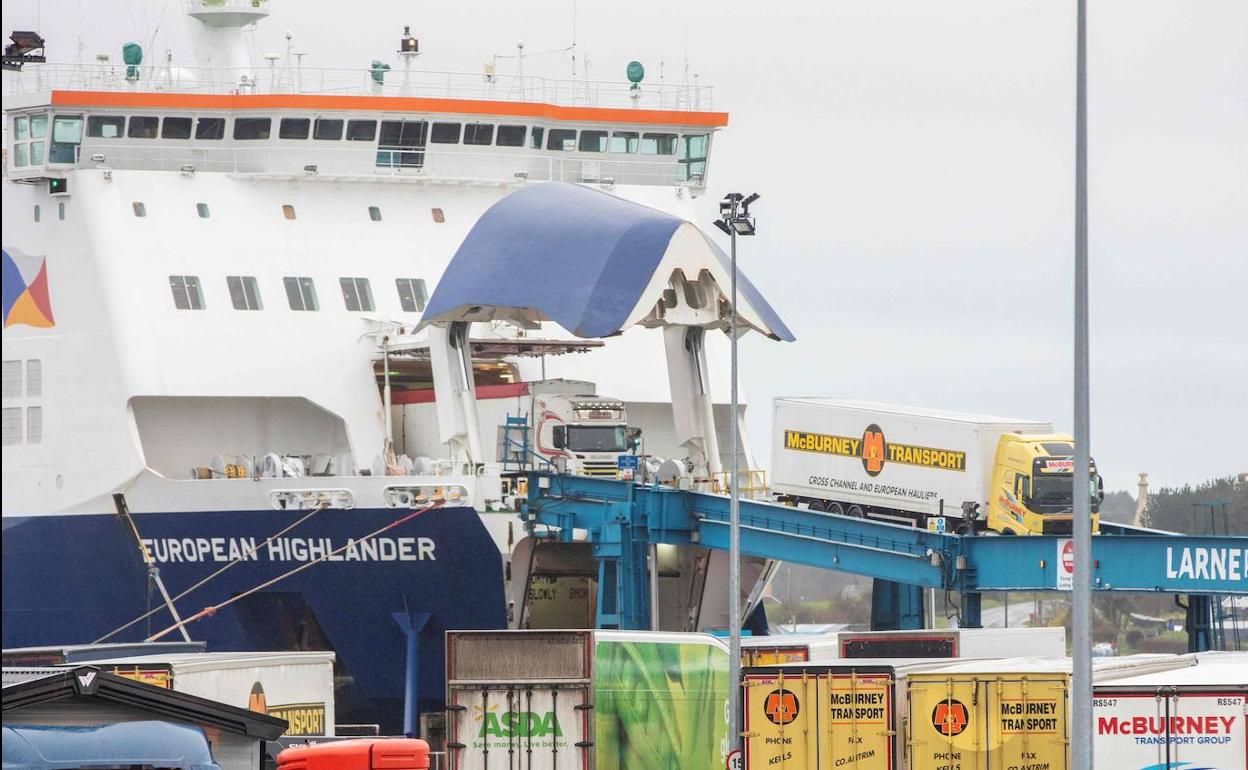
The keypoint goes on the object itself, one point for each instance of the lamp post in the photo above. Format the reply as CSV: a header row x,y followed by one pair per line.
x,y
1081,604
734,219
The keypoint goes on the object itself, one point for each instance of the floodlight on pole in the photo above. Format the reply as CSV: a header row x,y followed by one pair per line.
x,y
734,219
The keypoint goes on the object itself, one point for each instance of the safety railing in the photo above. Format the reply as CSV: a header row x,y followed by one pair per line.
x,y
753,483
289,79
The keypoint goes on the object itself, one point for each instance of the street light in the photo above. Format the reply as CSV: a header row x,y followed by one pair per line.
x,y
734,219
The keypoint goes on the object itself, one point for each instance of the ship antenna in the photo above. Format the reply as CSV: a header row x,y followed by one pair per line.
x,y
573,40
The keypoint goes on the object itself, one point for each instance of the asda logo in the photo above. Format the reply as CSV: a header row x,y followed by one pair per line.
x,y
520,724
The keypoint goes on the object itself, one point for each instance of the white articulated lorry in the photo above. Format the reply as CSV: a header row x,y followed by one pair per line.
x,y
914,466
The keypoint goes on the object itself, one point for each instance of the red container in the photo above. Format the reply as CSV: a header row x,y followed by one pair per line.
x,y
358,754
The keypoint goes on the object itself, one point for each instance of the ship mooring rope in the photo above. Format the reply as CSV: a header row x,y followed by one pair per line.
x,y
243,557
209,611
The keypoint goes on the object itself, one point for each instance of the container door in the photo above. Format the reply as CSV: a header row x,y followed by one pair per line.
x,y
1027,724
782,721
519,728
858,722
945,724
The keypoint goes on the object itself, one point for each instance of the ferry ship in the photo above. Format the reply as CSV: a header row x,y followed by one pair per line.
x,y
212,278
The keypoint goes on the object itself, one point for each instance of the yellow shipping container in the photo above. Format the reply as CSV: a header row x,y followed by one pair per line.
x,y
994,720
817,717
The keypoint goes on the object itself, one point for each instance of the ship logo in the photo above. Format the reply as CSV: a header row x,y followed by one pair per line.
x,y
25,288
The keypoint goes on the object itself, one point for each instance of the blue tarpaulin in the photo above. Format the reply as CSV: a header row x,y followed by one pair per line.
x,y
151,744
579,257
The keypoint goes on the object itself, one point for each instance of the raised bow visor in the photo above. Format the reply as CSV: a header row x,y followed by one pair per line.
x,y
595,264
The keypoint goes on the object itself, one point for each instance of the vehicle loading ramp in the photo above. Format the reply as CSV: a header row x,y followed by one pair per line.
x,y
623,519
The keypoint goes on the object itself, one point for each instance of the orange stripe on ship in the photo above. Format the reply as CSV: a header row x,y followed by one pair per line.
x,y
384,104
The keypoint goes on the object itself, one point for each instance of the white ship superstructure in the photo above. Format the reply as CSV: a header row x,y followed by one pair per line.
x,y
204,271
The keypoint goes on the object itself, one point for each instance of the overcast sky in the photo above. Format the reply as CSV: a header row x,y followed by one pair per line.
x,y
915,160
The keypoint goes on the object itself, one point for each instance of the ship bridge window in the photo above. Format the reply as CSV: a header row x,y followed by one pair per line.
x,y
444,133
412,294
535,137
329,129
38,212
244,292
252,128
510,136
692,163
402,143
593,141
66,136
210,128
175,128
361,130
12,379
29,134
105,126
374,213
562,139
186,292
288,211
202,210
658,144
356,294
479,133
625,141
300,292
143,127
139,209
294,128
12,425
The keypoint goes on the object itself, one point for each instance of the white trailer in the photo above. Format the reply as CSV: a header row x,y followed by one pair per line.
x,y
1045,642
911,466
1192,716
295,686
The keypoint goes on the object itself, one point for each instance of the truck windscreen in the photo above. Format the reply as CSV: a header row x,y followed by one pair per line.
x,y
597,438
1056,490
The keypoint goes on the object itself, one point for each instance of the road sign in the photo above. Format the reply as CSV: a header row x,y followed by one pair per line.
x,y
626,462
1065,564
733,761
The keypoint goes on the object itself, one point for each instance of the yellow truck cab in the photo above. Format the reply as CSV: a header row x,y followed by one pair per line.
x,y
1031,485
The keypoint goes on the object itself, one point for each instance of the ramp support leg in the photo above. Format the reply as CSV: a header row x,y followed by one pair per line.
x,y
969,616
622,552
412,624
896,606
1199,623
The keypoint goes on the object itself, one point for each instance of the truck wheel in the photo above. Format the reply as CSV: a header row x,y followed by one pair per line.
x,y
836,508
855,511
1008,532
818,505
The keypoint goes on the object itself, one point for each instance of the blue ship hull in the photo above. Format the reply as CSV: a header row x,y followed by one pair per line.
x,y
72,579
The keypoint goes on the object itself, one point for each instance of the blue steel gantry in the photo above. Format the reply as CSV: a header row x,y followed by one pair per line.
x,y
622,519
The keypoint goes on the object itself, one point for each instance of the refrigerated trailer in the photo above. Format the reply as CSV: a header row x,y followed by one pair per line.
x,y
1190,717
918,643
586,700
925,467
297,686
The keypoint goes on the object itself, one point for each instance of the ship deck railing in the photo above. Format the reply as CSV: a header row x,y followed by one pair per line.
x,y
429,163
284,79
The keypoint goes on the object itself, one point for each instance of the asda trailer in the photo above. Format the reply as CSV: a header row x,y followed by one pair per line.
x,y
1191,717
925,467
585,700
